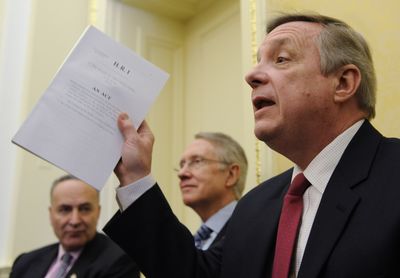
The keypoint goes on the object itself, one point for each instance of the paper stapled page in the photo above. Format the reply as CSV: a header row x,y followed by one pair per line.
x,y
74,124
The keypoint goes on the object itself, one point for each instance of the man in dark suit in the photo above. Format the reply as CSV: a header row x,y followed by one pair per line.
x,y
313,96
212,172
74,212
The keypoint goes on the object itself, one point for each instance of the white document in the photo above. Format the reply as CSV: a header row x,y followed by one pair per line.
x,y
74,124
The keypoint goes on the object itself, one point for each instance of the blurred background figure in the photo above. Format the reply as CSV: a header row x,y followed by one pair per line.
x,y
212,173
81,250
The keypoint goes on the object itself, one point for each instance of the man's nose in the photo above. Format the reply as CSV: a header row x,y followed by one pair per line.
x,y
184,172
75,217
256,76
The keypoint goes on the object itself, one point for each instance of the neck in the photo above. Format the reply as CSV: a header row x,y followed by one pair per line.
x,y
205,211
307,150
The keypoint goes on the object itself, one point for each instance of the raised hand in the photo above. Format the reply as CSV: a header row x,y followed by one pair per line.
x,y
137,151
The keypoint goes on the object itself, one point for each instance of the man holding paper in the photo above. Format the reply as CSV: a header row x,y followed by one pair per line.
x,y
313,94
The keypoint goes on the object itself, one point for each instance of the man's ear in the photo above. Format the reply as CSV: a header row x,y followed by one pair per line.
x,y
233,175
348,81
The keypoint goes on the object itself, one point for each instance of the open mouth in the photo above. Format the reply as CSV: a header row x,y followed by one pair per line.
x,y
260,103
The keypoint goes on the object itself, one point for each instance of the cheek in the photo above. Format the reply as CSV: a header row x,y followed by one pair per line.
x,y
207,181
202,177
59,222
91,222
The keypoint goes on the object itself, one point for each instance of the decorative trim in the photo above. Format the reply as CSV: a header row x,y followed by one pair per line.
x,y
93,11
253,32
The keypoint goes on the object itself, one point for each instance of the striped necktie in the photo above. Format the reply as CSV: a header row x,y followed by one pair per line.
x,y
202,234
66,260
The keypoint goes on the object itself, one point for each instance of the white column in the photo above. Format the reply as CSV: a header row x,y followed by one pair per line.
x,y
253,34
13,49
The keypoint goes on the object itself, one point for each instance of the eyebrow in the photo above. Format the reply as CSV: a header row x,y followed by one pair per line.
x,y
275,43
71,205
191,157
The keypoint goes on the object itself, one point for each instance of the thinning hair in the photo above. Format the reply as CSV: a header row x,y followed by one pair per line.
x,y
339,45
62,179
230,152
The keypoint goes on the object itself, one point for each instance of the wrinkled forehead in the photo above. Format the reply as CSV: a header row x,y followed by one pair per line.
x,y
298,34
301,28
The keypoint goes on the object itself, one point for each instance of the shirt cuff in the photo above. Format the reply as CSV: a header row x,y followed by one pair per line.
x,y
128,194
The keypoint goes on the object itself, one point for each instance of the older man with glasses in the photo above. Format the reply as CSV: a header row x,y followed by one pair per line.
x,y
212,173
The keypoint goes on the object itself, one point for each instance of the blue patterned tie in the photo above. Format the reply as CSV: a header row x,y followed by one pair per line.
x,y
202,234
65,262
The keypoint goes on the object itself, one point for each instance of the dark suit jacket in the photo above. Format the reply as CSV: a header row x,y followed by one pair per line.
x,y
100,258
220,236
356,231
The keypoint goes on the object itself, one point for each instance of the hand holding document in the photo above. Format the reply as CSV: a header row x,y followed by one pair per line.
x,y
74,124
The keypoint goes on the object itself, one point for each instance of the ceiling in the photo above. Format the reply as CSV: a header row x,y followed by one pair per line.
x,y
177,9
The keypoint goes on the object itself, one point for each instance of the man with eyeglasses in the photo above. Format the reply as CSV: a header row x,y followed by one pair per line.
x,y
212,173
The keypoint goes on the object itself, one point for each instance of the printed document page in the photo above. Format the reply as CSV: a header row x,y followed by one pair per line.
x,y
74,124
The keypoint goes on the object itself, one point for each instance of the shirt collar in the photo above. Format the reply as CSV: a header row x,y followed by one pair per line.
x,y
218,220
74,254
321,168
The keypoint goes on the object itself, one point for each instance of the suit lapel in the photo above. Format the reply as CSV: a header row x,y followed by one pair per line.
x,y
220,235
86,258
43,263
339,200
261,225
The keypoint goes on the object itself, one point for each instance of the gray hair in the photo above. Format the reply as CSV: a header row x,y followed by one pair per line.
x,y
229,151
340,45
62,179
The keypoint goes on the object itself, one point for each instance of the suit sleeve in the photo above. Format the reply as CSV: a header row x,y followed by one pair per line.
x,y
123,267
16,266
152,235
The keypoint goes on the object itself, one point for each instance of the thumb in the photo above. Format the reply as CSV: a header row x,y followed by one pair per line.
x,y
125,126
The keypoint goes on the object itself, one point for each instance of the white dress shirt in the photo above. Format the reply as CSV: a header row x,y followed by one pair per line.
x,y
318,173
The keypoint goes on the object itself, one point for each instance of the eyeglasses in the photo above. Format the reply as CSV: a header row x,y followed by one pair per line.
x,y
196,163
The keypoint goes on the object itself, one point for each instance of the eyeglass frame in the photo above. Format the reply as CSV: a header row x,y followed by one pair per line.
x,y
197,162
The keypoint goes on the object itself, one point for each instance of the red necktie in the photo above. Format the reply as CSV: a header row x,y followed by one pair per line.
x,y
289,226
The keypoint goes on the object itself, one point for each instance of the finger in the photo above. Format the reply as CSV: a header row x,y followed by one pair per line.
x,y
125,126
146,134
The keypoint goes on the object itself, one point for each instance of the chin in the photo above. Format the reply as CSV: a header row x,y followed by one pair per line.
x,y
74,243
262,134
74,247
187,201
266,130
